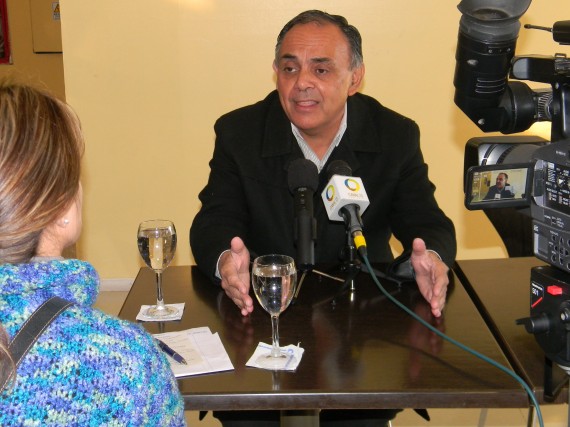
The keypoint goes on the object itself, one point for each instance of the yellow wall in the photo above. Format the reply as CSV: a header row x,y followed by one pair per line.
x,y
149,78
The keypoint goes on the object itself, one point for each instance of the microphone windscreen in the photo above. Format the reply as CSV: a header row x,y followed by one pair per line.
x,y
302,173
338,167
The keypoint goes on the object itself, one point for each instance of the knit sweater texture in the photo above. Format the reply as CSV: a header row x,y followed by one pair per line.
x,y
87,368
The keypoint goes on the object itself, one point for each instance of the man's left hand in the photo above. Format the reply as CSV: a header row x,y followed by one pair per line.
x,y
431,276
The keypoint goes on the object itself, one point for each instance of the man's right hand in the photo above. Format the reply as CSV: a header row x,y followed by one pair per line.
x,y
234,271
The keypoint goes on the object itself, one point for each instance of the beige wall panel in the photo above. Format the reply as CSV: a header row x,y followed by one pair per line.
x,y
46,27
43,70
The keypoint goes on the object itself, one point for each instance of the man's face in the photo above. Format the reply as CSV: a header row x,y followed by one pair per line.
x,y
314,77
501,181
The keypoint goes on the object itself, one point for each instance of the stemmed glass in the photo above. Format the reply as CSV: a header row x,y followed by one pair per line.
x,y
157,243
274,278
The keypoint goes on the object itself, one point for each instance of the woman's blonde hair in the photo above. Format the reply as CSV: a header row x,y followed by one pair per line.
x,y
41,144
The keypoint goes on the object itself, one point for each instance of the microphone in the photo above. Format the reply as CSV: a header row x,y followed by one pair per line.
x,y
303,179
345,198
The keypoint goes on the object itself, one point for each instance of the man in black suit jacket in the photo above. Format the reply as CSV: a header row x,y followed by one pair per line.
x,y
316,113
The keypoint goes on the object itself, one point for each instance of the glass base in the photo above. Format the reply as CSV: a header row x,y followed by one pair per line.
x,y
160,311
276,363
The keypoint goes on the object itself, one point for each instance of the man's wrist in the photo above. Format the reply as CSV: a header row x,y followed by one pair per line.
x,y
217,272
434,252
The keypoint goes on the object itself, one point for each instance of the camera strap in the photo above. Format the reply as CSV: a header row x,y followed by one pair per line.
x,y
32,329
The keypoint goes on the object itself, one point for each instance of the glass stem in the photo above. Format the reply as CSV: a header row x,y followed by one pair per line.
x,y
275,349
159,299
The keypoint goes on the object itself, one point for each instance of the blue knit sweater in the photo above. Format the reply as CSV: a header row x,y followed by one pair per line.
x,y
87,368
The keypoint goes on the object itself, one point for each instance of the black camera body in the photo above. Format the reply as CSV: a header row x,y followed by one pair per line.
x,y
550,211
549,319
524,173
550,313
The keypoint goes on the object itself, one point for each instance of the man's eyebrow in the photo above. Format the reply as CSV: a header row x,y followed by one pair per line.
x,y
318,60
288,56
321,60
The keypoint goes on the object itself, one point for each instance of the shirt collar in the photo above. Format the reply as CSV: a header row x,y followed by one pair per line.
x,y
309,153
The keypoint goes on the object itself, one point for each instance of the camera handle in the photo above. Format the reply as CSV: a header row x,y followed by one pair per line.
x,y
560,31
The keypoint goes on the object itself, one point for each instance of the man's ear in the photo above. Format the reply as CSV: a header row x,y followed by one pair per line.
x,y
357,76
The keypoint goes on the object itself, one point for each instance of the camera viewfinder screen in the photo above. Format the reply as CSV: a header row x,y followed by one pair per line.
x,y
498,186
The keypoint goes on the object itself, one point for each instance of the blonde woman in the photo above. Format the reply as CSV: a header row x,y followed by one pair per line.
x,y
86,368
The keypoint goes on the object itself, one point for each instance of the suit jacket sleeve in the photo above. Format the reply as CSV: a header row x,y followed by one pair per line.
x,y
415,211
247,193
224,211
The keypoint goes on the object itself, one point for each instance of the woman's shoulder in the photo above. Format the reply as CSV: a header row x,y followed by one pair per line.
x,y
128,337
85,350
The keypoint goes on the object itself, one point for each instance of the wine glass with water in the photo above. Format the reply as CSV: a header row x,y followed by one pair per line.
x,y
157,243
274,278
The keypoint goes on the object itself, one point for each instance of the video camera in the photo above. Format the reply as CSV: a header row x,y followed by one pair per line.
x,y
525,173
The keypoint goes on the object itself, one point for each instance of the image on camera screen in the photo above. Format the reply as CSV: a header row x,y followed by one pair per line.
x,y
492,186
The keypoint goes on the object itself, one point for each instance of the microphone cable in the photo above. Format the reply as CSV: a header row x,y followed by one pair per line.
x,y
457,343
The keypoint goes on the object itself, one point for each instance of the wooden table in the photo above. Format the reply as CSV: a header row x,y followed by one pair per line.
x,y
361,350
501,290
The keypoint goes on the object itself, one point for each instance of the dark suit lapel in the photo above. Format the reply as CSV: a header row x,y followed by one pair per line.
x,y
359,135
278,139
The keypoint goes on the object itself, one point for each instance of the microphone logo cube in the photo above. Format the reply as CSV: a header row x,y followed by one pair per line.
x,y
341,191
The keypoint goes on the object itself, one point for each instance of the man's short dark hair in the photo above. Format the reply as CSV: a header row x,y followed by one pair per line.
x,y
351,33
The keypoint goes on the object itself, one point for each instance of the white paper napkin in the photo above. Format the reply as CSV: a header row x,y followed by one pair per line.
x,y
177,316
202,350
292,350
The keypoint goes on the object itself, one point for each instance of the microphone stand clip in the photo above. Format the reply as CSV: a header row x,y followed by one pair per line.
x,y
350,262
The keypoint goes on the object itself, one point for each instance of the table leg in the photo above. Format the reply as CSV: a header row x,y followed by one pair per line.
x,y
483,417
531,416
309,418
